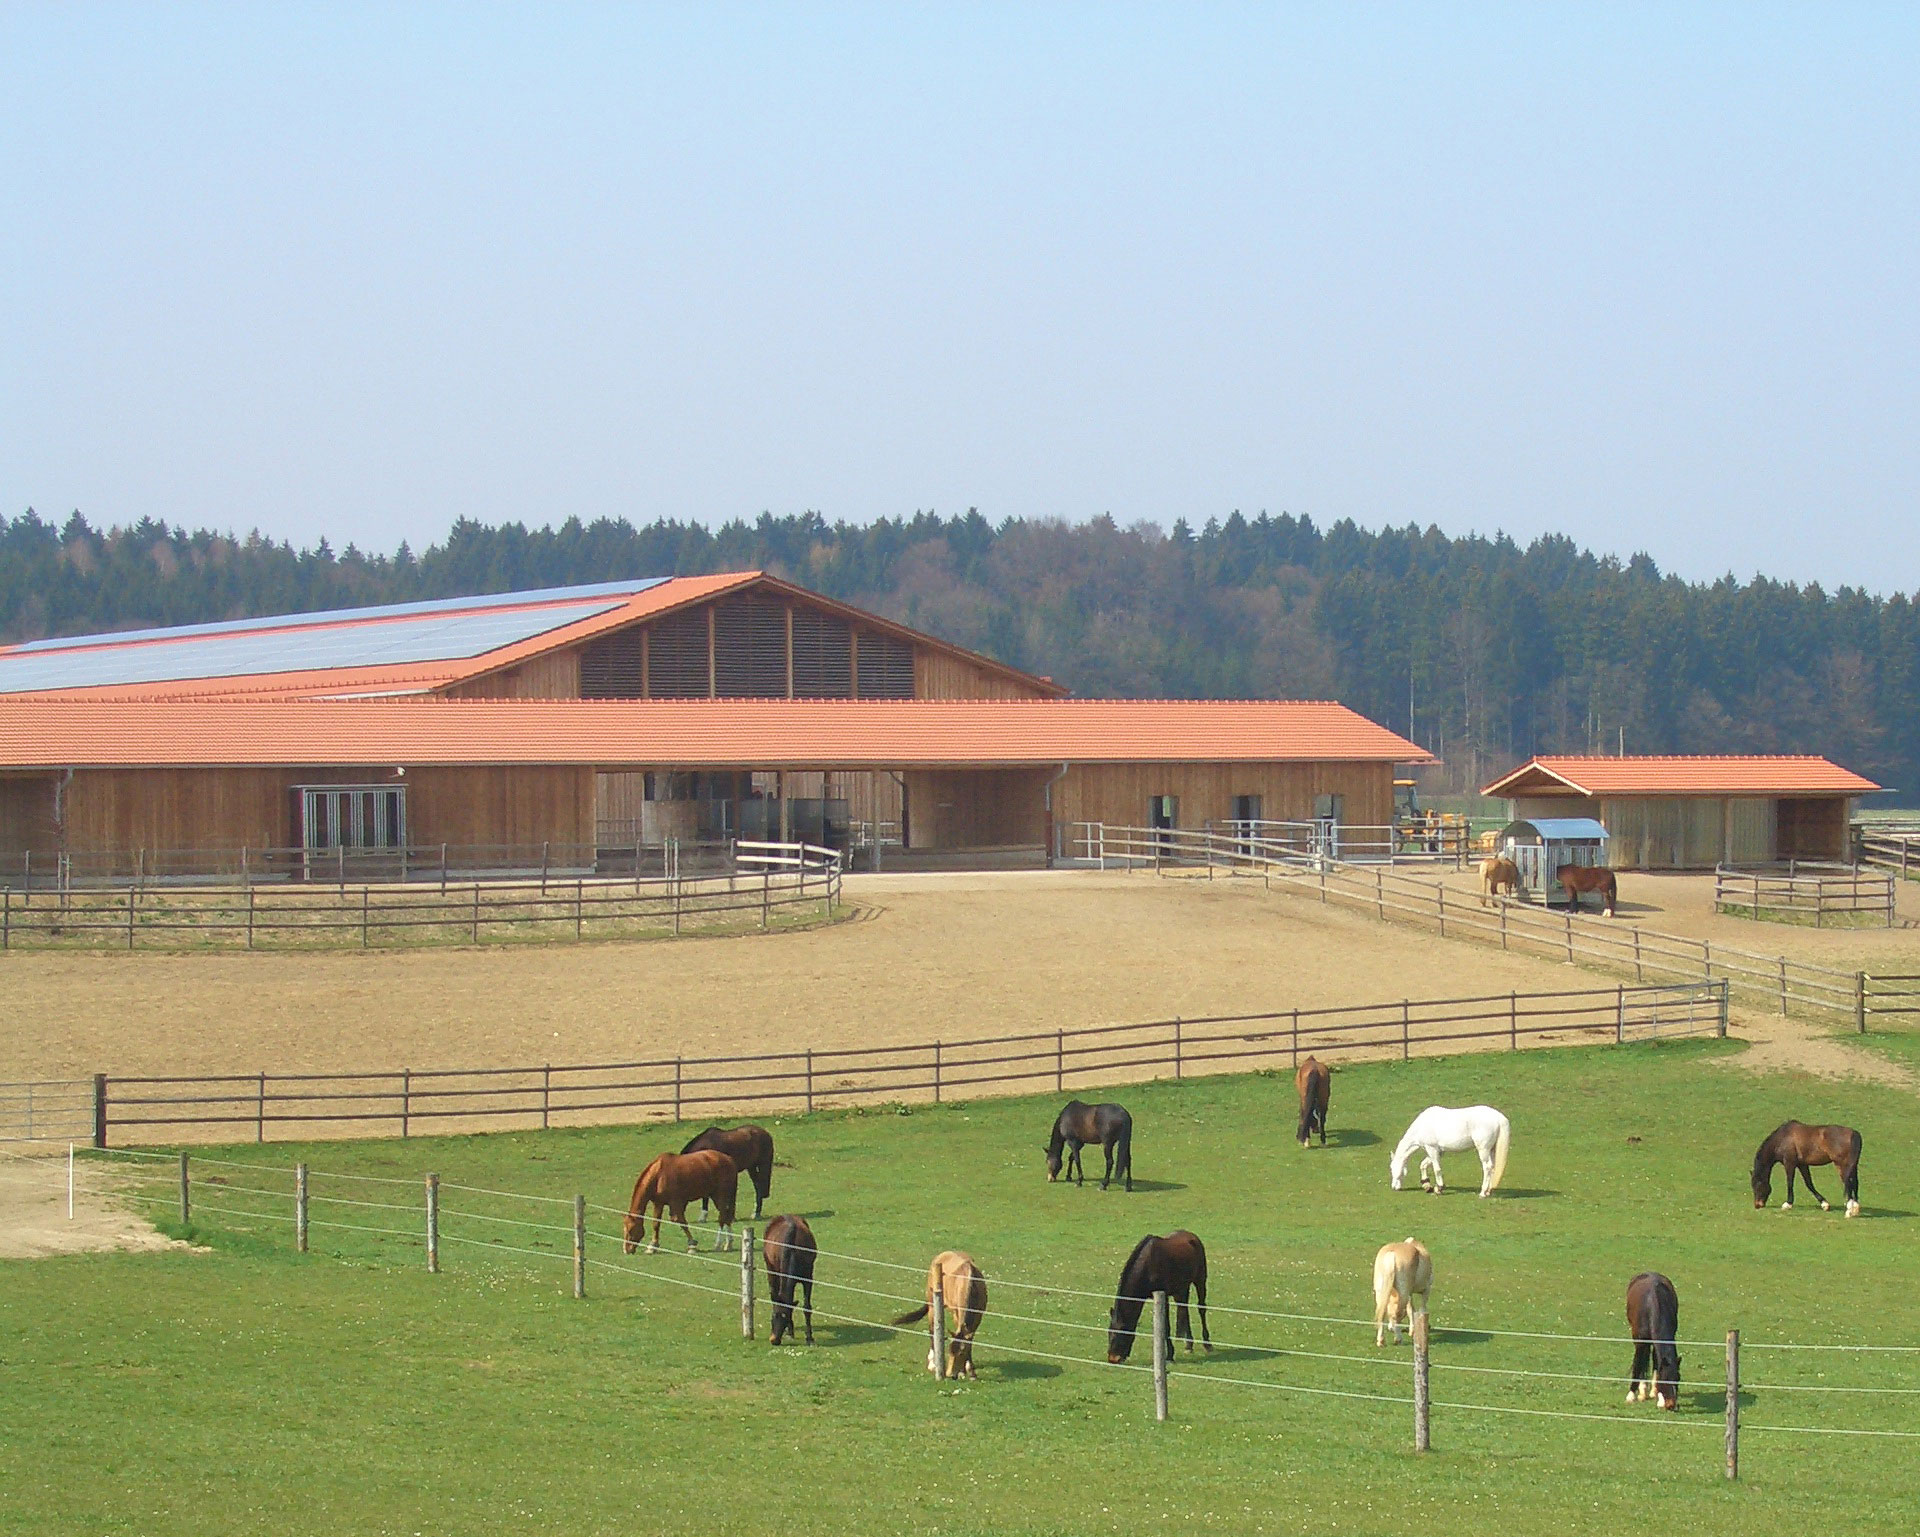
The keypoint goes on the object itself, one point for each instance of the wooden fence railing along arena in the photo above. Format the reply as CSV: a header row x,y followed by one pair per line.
x,y
1797,891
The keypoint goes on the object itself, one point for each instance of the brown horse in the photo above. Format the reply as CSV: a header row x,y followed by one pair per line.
x,y
1171,1265
1311,1081
1081,1123
1653,1314
1499,876
790,1252
1800,1147
673,1180
960,1286
751,1148
1575,879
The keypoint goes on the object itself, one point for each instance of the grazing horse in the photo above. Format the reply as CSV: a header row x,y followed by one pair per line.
x,y
1438,1130
670,1183
1575,879
1079,1124
1653,1314
1800,1147
751,1149
1402,1277
960,1286
1498,875
1171,1265
1311,1082
790,1250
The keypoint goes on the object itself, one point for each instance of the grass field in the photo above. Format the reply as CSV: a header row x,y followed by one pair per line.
x,y
350,1391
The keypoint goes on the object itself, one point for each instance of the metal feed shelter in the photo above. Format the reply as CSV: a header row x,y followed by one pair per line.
x,y
1540,847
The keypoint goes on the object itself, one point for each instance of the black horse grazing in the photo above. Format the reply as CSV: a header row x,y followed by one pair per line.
x,y
1170,1265
750,1148
1800,1147
1653,1316
790,1250
1079,1124
1311,1081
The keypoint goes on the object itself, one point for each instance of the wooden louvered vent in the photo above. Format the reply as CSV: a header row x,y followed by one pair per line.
x,y
886,667
611,667
677,660
750,649
822,656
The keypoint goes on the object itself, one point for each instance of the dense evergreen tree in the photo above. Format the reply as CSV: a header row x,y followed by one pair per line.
x,y
1481,649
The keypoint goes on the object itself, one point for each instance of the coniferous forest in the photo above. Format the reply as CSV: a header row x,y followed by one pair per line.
x,y
1480,649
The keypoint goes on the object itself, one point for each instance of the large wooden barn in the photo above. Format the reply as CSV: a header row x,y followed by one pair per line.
x,y
1679,813
692,709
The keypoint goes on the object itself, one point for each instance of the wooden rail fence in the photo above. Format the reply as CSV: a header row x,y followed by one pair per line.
x,y
1796,891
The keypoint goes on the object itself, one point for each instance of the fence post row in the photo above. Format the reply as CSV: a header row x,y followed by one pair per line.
x,y
1159,1355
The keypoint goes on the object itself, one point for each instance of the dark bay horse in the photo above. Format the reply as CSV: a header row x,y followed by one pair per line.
x,y
1311,1081
751,1149
1800,1147
1575,879
673,1181
1653,1318
1171,1265
1079,1124
955,1283
790,1252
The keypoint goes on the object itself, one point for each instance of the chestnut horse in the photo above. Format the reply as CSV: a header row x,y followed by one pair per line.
x,y
751,1148
1498,876
1800,1147
1081,1123
1653,1315
1311,1081
790,1251
1402,1278
955,1283
1575,879
670,1183
1171,1265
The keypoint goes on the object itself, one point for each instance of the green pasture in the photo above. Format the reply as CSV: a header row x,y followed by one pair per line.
x,y
249,1388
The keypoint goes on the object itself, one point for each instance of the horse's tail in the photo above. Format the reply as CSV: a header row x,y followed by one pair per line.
x,y
1123,1150
1501,1139
914,1317
1613,892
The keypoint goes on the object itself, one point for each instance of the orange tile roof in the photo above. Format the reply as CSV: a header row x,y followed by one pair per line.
x,y
768,733
1681,776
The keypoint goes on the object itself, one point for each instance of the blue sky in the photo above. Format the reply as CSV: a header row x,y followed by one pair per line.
x,y
1645,276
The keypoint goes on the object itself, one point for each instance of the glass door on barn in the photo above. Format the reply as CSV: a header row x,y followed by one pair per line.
x,y
353,832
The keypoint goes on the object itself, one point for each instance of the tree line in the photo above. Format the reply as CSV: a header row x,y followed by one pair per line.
x,y
1480,649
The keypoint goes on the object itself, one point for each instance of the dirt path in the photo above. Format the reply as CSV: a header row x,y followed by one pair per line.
x,y
33,1210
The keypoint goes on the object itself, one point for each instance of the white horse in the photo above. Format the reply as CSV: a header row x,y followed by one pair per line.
x,y
1438,1130
1402,1278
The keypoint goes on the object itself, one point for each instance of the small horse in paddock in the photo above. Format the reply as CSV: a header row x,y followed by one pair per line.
x,y
1172,1265
671,1183
1499,876
1799,1147
1438,1130
1311,1081
1575,879
955,1283
751,1148
1653,1317
1402,1277
790,1251
1081,1123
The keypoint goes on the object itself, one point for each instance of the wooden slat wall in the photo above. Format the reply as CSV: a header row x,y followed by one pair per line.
x,y
500,805
976,808
940,675
1118,792
544,677
1665,832
26,814
1814,827
1750,831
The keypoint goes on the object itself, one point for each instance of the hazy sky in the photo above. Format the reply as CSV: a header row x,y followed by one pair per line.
x,y
1648,277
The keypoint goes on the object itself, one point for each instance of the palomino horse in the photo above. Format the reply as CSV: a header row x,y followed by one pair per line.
x,y
1498,876
1575,879
790,1250
1653,1314
1079,1124
1402,1277
1800,1147
1311,1082
955,1283
670,1183
1438,1130
751,1149
1171,1265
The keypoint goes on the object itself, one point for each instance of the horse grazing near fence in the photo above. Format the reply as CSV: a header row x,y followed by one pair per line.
x,y
1311,1082
1172,1265
673,1181
1499,876
960,1286
1438,1130
1800,1147
1079,1124
1402,1277
1575,879
751,1149
1653,1316
790,1251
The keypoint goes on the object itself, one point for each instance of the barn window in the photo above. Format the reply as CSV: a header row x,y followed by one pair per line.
x,y
750,649
822,655
353,817
886,667
677,657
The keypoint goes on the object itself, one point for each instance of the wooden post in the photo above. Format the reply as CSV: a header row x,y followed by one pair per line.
x,y
300,1208
130,891
476,912
580,1248
186,1193
546,849
433,1224
1295,1060
1638,974
260,1111
249,917
936,1072
809,1080
99,1109
1422,1398
1406,1031
766,896
1513,1021
364,890
1440,901
1059,1061
443,869
546,1096
679,1072
1620,1015
1726,993
937,1337
579,908
1783,987
1570,935
746,1283
406,1098
1159,1355
6,917
1733,1403
1503,921
1178,1066
1379,892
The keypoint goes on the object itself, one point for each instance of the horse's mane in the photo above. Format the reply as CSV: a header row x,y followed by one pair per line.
x,y
1135,1260
1766,1156
694,1143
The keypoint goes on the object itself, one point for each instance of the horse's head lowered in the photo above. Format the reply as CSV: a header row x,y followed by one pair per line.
x,y
1054,1157
1666,1375
1397,1165
632,1229
1763,1174
1120,1331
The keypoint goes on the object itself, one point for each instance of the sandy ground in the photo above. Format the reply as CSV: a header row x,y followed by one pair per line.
x,y
33,1209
